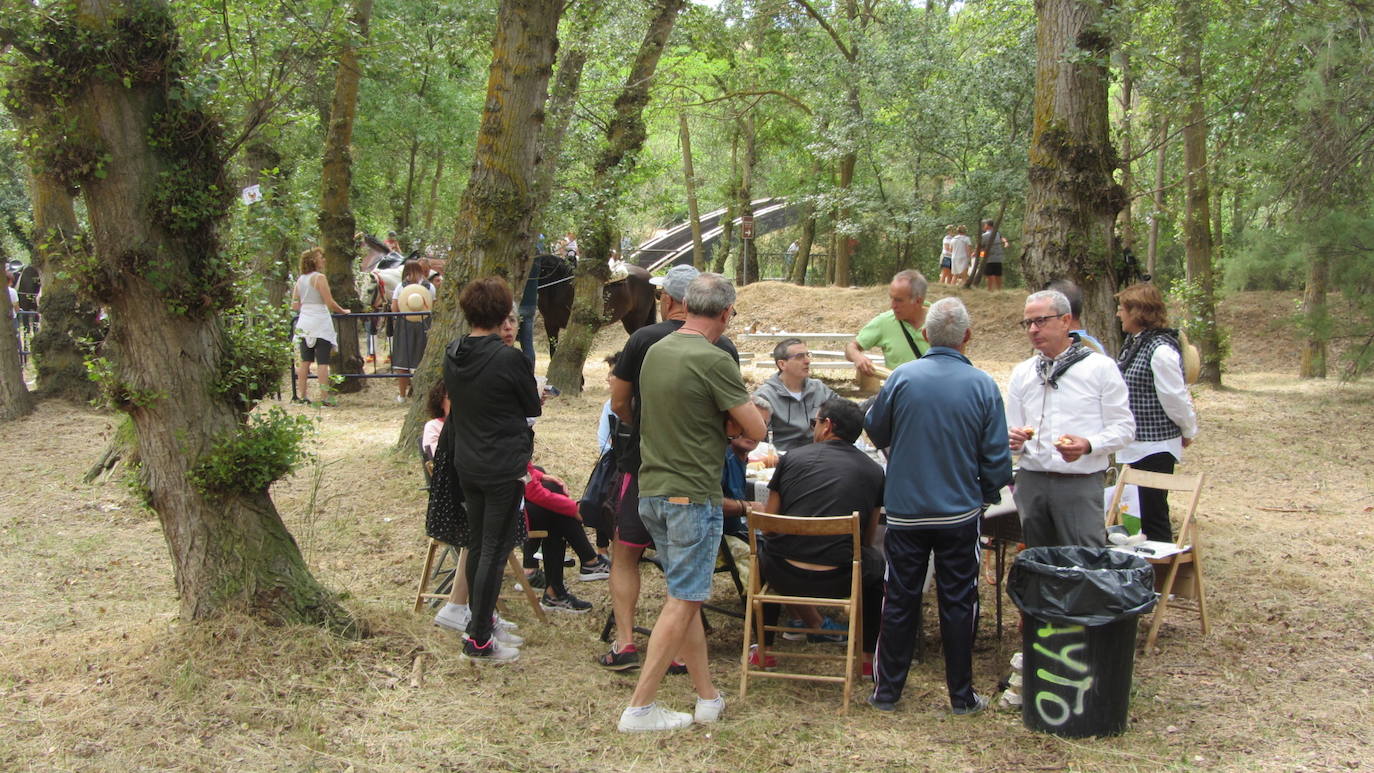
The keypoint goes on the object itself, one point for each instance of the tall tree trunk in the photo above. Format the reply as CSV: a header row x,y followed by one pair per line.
x,y
156,266
66,318
433,203
803,258
1126,219
493,233
1316,315
690,181
1072,200
1197,228
725,244
336,214
1161,156
747,269
408,201
625,138
561,101
271,264
15,399
844,248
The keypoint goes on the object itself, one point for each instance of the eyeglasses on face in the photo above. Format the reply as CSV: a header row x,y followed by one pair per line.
x,y
1037,322
658,293
797,356
818,420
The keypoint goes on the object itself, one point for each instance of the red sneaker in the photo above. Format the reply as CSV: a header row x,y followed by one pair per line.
x,y
769,662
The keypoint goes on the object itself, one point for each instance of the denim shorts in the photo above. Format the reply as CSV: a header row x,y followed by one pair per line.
x,y
687,538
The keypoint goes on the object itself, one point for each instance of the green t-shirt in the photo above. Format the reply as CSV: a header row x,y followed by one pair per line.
x,y
885,331
685,387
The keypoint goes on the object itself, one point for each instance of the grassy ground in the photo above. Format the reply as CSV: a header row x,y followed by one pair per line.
x,y
97,672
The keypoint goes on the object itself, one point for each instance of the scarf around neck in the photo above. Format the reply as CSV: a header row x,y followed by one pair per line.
x,y
1049,369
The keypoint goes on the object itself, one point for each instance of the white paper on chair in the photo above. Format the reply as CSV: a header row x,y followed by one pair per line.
x,y
1152,549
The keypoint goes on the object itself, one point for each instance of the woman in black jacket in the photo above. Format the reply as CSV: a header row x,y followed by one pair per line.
x,y
492,391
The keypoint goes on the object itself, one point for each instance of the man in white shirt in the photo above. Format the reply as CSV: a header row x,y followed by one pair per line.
x,y
1067,410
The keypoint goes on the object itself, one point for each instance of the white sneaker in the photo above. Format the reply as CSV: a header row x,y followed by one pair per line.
x,y
710,711
454,616
654,717
505,636
494,652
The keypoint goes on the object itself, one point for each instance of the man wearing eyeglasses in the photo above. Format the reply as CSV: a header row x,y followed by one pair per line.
x,y
1067,410
795,397
896,331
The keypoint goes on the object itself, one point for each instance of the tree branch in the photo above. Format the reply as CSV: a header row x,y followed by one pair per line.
x,y
849,54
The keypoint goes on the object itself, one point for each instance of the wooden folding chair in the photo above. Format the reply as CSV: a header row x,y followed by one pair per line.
x,y
754,627
1183,557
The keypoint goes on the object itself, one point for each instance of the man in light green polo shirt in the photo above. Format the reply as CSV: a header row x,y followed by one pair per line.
x,y
897,331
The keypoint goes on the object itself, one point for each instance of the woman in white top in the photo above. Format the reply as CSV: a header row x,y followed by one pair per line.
x,y
961,249
314,328
1165,422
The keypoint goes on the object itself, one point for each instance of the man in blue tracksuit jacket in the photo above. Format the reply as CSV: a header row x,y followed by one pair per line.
x,y
945,427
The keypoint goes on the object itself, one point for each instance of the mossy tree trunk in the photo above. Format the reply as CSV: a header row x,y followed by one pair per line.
x,y
15,399
115,81
336,213
624,138
562,101
1072,199
494,231
1197,220
67,319
689,181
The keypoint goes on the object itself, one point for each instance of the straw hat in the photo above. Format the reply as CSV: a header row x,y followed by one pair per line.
x,y
415,297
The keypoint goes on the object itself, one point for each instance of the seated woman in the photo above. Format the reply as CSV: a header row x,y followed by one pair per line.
x,y
549,508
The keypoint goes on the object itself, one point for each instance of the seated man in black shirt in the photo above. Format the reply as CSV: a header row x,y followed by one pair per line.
x,y
828,477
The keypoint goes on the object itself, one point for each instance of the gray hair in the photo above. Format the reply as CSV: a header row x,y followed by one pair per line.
x,y
946,323
780,351
709,295
1058,301
916,282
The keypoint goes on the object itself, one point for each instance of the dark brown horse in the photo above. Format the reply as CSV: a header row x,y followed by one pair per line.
x,y
629,301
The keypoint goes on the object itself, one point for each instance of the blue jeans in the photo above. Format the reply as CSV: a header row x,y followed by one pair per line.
x,y
687,538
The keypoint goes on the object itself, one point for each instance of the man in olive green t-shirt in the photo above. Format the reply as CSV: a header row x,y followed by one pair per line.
x,y
687,390
896,331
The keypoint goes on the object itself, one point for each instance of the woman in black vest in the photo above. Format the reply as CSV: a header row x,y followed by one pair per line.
x,y
1165,422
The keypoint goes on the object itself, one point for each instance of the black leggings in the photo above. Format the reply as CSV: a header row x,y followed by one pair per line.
x,y
1154,502
562,531
492,510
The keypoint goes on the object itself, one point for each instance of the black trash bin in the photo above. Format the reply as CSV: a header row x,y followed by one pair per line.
x,y
1080,607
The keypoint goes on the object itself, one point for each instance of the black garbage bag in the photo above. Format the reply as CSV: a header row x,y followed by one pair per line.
x,y
1075,585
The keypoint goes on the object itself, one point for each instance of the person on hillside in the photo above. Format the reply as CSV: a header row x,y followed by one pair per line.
x,y
410,336
631,536
992,247
961,255
1067,410
896,331
793,395
947,256
493,393
1165,422
827,477
943,423
688,387
1075,296
312,300
788,258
